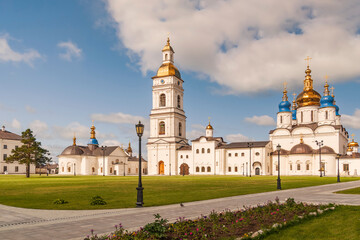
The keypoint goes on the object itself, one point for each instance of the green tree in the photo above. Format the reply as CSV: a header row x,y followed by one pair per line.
x,y
30,152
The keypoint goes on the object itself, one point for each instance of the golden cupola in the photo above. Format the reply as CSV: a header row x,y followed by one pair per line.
x,y
353,143
168,68
308,97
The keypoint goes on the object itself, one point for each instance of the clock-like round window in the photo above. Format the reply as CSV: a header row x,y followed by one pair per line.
x,y
162,81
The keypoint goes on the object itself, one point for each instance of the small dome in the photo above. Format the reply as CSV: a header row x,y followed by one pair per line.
x,y
72,150
209,127
353,144
284,106
129,149
301,148
308,98
167,46
327,101
168,69
93,141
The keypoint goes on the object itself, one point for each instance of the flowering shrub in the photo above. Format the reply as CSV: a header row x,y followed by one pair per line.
x,y
244,223
97,200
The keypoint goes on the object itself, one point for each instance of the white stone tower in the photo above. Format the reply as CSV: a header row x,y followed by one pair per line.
x,y
167,118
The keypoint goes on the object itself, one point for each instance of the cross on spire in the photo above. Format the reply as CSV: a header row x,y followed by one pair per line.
x,y
353,135
326,78
307,59
332,91
285,84
209,119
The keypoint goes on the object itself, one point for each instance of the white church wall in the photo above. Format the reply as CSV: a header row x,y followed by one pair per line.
x,y
353,166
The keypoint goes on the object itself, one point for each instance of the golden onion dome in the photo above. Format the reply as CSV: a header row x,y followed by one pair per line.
x,y
353,144
167,47
349,149
308,97
209,127
168,69
129,149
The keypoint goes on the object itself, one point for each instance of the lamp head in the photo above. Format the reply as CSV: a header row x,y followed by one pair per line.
x,y
278,147
139,129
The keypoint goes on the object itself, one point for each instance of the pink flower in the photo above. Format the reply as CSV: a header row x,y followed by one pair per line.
x,y
190,233
197,229
277,209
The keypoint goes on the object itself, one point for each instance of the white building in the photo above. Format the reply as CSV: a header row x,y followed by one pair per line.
x,y
95,160
8,142
310,135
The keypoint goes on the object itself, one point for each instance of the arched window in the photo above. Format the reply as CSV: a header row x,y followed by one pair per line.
x,y
277,167
298,167
229,169
162,100
93,169
203,150
290,167
208,150
229,154
236,169
197,169
307,166
69,169
181,156
208,169
242,154
62,169
166,57
257,153
302,117
202,169
178,102
110,170
326,115
187,156
312,115
161,128
236,154
180,128
197,150
101,170
280,119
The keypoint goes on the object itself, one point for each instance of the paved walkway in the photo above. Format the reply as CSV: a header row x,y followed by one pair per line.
x,y
19,223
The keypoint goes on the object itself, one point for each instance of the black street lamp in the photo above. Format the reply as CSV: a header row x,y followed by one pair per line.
x,y
320,144
249,146
338,173
243,169
247,169
103,168
139,131
278,148
74,169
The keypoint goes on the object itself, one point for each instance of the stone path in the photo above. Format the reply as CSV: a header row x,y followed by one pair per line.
x,y
19,223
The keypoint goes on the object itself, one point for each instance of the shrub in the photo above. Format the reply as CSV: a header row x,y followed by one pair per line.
x,y
97,200
157,228
60,201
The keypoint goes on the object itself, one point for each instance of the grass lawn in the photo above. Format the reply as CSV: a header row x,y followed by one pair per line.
x,y
343,223
119,192
351,191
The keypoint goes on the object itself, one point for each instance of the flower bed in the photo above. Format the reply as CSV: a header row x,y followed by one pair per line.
x,y
250,222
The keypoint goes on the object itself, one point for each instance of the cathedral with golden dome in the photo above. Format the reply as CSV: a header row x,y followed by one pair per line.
x,y
308,138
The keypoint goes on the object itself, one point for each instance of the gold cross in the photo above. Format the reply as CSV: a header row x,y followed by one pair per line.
x,y
353,135
332,90
285,84
307,59
326,78
209,120
294,94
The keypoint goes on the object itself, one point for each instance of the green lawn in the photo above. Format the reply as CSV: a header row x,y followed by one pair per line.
x,y
343,223
119,192
351,191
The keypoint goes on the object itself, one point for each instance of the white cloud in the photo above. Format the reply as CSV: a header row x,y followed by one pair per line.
x,y
71,51
40,129
352,121
194,133
7,54
30,109
15,124
112,142
237,138
263,120
245,46
118,118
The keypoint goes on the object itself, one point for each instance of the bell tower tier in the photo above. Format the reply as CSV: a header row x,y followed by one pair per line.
x,y
167,117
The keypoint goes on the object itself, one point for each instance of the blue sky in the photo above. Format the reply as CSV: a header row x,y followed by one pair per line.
x,y
65,63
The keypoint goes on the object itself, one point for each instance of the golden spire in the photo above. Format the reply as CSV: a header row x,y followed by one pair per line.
x,y
209,126
167,46
129,149
285,97
308,82
92,130
326,86
293,102
74,140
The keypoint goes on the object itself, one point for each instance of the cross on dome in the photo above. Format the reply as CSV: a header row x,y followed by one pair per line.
x,y
307,59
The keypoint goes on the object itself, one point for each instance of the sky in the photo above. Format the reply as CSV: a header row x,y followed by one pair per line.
x,y
66,63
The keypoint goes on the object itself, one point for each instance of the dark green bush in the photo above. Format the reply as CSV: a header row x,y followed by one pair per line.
x,y
97,200
60,201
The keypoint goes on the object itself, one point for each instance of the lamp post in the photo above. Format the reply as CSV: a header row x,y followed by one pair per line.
x,y
320,144
124,168
338,172
249,146
246,168
278,148
103,149
139,131
74,169
243,169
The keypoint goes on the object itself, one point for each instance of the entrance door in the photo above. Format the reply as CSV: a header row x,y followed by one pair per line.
x,y
184,169
257,171
161,168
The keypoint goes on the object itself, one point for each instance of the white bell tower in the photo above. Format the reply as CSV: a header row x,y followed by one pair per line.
x,y
167,118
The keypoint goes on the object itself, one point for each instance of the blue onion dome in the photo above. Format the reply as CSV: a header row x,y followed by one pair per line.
x,y
334,102
293,114
326,100
284,105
